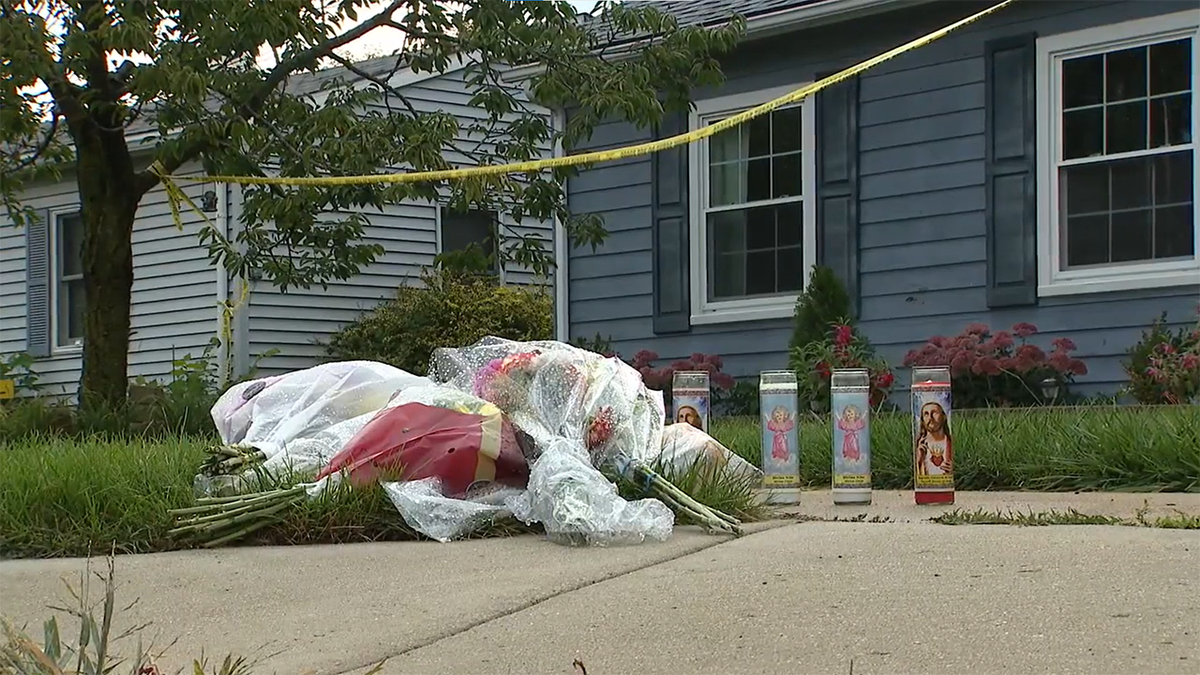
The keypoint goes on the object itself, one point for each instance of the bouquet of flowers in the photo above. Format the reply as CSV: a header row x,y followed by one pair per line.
x,y
587,412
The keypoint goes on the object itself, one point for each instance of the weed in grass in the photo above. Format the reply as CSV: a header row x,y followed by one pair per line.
x,y
1068,517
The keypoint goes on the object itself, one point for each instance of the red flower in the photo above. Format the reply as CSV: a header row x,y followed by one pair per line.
x,y
1060,361
823,369
843,335
1191,362
1024,329
1003,340
986,365
886,379
723,380
961,363
939,341
976,329
1078,367
1063,344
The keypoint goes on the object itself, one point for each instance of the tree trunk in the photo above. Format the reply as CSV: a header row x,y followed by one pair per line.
x,y
109,201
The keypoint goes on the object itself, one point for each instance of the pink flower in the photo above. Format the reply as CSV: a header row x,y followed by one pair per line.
x,y
723,380
1078,367
986,365
939,341
976,329
1003,340
1032,352
1063,344
1060,361
1024,329
961,363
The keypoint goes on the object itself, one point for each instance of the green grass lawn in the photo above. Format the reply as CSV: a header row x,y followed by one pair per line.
x,y
61,497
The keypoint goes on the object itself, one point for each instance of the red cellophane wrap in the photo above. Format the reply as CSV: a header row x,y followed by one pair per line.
x,y
421,441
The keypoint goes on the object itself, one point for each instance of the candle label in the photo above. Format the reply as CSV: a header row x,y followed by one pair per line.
x,y
781,438
691,407
851,440
933,451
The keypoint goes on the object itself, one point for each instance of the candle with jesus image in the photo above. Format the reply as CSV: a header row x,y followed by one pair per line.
x,y
933,444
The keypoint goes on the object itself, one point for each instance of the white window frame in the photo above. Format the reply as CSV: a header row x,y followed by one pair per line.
x,y
57,281
1051,51
750,309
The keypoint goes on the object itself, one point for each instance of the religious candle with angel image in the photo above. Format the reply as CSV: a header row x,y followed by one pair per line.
x,y
933,444
780,436
850,403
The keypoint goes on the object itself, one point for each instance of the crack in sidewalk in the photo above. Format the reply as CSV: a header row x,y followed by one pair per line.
x,y
765,526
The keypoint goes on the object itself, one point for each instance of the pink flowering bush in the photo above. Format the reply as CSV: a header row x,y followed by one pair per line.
x,y
1164,366
845,347
1001,369
661,378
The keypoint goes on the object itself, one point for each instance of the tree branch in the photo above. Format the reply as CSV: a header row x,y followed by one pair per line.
x,y
147,179
41,148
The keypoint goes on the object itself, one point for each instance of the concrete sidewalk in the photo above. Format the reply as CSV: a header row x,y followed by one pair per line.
x,y
792,597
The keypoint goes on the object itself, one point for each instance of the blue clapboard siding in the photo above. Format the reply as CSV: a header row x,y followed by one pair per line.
x,y
298,322
173,310
922,167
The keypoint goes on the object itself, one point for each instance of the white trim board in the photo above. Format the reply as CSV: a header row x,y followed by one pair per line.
x,y
749,309
1051,50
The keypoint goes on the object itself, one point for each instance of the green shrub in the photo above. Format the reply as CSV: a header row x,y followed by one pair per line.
x,y
450,310
823,305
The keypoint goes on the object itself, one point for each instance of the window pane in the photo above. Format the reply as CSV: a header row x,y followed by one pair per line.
x,y
1171,67
759,131
1132,236
726,232
1087,240
1173,182
785,131
790,223
1131,184
1085,188
1174,232
728,277
1083,81
790,268
1126,74
727,184
1126,127
760,273
758,180
1083,133
70,312
785,175
760,228
70,243
726,146
461,231
1171,120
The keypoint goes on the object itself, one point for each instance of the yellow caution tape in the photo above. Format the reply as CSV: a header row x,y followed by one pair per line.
x,y
588,157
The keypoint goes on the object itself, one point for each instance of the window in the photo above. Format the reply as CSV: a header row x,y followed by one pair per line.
x,y
1119,157
68,291
471,236
752,213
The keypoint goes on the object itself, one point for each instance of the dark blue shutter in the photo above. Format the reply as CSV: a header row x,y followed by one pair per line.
x,y
1011,171
669,237
37,285
837,183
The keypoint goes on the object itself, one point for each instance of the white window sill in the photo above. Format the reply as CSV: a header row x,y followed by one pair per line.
x,y
1128,282
67,350
734,315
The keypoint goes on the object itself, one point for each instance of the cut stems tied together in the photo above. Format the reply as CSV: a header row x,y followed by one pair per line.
x,y
216,521
231,459
676,499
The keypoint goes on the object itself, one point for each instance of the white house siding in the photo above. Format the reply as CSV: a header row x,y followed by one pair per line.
x,y
173,310
298,322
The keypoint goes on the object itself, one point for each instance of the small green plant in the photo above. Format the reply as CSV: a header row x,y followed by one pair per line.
x,y
599,345
18,367
815,362
1164,366
451,309
740,401
823,304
